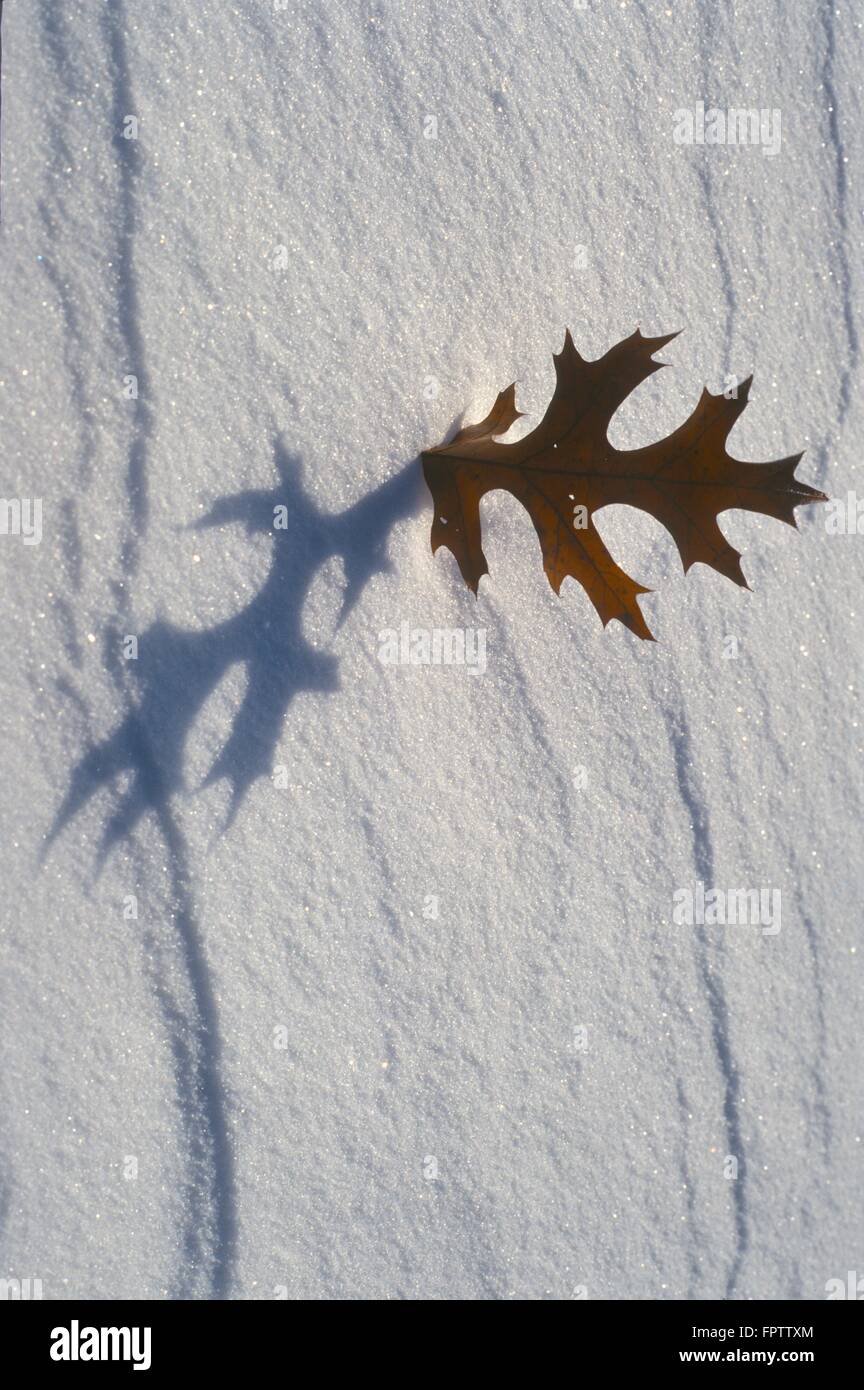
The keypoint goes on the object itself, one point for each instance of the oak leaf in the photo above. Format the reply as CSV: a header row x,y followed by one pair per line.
x,y
565,470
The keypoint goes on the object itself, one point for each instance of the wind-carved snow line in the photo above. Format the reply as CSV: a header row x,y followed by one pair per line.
x,y
817,1068
54,40
129,160
194,1032
198,1067
707,45
686,1176
1,92
842,188
192,1028
691,795
533,714
678,730
723,265
818,1062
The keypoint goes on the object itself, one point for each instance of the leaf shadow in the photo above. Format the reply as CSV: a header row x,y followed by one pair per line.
x,y
177,669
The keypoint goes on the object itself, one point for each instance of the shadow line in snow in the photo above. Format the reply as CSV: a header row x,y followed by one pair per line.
x,y
718,1010
841,182
129,164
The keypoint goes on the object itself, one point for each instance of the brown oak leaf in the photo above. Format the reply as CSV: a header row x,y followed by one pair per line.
x,y
566,469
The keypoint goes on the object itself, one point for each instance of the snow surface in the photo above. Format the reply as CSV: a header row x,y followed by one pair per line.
x,y
297,275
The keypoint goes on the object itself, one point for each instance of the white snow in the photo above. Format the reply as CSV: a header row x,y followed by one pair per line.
x,y
281,1040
